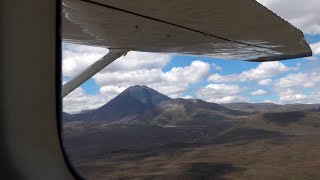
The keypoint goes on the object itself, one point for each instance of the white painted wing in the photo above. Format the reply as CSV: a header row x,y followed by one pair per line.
x,y
228,29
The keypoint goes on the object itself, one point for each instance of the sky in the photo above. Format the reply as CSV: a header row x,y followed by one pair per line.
x,y
213,80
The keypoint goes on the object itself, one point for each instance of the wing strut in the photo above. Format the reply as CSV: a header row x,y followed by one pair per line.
x,y
92,70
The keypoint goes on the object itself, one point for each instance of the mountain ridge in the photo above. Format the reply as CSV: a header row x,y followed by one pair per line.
x,y
141,104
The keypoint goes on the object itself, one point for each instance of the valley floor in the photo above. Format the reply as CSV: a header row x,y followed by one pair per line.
x,y
231,151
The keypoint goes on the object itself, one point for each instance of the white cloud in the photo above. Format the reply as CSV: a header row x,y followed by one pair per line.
x,y
172,83
270,101
303,14
138,61
217,78
298,80
144,76
290,96
315,47
76,58
220,93
259,92
263,71
187,97
314,97
298,88
111,91
265,82
78,101
191,74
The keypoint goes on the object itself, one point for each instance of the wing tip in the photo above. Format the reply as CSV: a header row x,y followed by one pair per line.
x,y
282,57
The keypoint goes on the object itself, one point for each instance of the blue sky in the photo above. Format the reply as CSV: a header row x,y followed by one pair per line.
x,y
214,80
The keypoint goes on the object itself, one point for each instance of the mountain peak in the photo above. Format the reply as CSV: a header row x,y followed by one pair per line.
x,y
138,87
145,95
131,103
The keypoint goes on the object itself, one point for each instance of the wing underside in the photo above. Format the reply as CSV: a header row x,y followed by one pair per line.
x,y
226,29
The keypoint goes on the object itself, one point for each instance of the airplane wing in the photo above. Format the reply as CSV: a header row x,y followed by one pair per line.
x,y
228,29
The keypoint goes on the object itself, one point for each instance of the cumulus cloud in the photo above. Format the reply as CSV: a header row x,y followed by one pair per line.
x,y
220,93
302,14
315,48
314,97
111,91
295,88
138,61
187,97
217,78
191,74
144,76
305,80
172,83
265,82
290,96
263,71
78,57
259,92
78,101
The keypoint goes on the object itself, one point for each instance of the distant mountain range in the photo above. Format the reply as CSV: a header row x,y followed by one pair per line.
x,y
141,104
267,107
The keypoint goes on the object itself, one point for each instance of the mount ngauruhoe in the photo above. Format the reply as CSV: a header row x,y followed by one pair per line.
x,y
141,104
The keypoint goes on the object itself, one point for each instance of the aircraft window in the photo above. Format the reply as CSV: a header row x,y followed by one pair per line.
x,y
172,116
